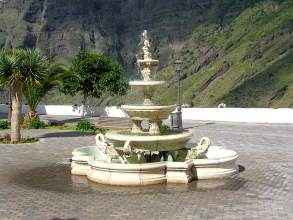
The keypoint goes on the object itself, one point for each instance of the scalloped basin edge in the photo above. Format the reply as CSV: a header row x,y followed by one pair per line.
x,y
154,173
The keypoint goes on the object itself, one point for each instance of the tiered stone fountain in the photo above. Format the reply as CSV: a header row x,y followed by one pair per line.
x,y
152,154
146,140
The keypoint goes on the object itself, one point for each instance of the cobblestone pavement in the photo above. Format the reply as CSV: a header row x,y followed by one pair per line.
x,y
35,180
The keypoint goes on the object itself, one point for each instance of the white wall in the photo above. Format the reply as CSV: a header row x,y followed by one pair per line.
x,y
257,115
111,111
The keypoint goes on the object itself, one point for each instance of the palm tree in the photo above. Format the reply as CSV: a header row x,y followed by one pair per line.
x,y
34,94
20,68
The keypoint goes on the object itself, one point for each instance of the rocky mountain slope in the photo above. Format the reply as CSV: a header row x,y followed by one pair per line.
x,y
245,63
234,51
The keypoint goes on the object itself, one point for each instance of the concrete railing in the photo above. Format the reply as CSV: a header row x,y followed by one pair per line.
x,y
257,115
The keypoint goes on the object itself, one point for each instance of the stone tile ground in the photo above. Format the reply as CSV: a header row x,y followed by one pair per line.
x,y
35,180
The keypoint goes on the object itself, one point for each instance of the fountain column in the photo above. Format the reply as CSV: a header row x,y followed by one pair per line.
x,y
155,127
148,95
136,126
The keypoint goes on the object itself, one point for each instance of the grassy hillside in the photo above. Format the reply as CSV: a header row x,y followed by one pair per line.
x,y
247,62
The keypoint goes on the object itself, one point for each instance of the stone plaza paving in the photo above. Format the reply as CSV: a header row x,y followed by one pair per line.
x,y
35,180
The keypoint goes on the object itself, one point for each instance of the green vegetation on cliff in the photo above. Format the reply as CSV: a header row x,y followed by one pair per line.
x,y
247,62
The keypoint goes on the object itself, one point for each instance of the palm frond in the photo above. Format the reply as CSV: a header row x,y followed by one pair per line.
x,y
8,68
33,97
33,67
34,94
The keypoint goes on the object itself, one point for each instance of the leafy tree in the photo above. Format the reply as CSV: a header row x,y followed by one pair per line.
x,y
94,75
18,69
34,94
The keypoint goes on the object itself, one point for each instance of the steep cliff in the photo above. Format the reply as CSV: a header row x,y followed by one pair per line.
x,y
229,46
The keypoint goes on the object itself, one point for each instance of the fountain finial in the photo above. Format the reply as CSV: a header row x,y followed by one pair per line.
x,y
146,65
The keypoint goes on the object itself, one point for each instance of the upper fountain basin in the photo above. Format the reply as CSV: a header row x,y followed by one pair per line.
x,y
146,83
148,62
152,112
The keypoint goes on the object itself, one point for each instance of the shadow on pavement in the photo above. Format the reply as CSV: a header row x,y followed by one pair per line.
x,y
67,134
200,125
57,177
241,168
60,120
63,219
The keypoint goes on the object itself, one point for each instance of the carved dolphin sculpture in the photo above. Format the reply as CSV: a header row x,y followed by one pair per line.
x,y
127,148
107,148
200,150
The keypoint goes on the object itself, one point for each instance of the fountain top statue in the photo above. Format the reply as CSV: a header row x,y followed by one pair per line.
x,y
146,46
147,65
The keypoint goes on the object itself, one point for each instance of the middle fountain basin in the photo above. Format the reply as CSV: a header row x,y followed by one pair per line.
x,y
152,112
168,142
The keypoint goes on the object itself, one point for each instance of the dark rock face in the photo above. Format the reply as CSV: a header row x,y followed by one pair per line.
x,y
61,28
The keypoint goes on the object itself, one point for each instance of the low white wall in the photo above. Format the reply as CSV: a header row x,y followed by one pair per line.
x,y
111,111
257,115
49,109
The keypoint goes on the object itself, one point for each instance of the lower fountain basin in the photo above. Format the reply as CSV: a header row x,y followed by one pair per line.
x,y
168,142
219,163
127,174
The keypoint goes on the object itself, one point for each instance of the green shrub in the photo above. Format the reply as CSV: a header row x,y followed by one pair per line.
x,y
101,130
4,124
21,120
84,125
6,139
36,124
164,127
